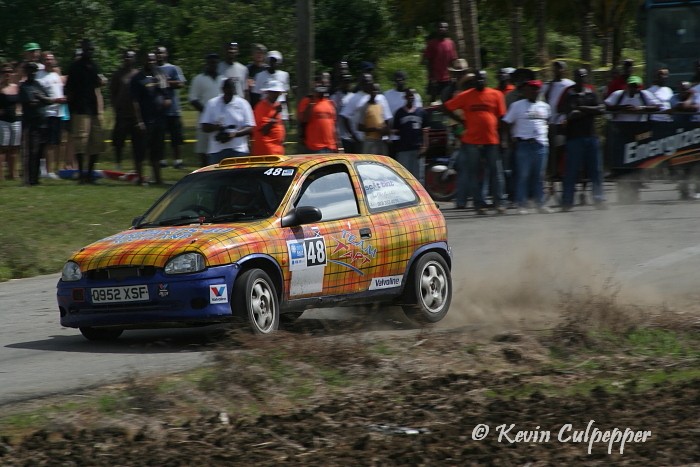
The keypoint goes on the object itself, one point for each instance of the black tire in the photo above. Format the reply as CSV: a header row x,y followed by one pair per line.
x,y
101,334
255,301
440,186
428,293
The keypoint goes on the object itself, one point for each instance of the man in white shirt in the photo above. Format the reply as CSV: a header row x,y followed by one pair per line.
x,y
663,94
551,93
529,127
353,113
230,68
53,82
205,86
632,103
228,120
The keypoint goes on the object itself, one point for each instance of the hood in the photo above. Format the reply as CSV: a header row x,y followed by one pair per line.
x,y
155,247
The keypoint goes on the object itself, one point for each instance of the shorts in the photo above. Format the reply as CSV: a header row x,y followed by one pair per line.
x,y
54,128
174,129
87,134
123,127
10,133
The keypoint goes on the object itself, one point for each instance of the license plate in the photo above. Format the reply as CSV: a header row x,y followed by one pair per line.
x,y
130,293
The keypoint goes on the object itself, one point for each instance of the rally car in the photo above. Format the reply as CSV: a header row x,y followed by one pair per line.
x,y
259,240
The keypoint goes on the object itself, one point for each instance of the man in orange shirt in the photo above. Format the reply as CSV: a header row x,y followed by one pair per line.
x,y
318,116
482,109
269,128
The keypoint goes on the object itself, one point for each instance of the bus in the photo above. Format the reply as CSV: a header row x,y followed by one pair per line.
x,y
672,38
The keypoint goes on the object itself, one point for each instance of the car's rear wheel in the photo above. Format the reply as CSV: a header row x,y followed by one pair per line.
x,y
255,301
101,334
429,291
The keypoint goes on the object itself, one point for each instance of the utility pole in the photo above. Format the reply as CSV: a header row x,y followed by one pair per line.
x,y
305,46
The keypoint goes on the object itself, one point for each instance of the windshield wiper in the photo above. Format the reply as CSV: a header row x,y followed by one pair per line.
x,y
178,220
227,217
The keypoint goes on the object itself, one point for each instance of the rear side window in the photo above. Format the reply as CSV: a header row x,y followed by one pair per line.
x,y
384,188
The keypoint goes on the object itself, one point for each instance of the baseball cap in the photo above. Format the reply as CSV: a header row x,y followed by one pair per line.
x,y
276,55
29,46
507,70
634,79
273,85
535,83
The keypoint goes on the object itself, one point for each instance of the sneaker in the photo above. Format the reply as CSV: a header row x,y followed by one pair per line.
x,y
501,210
523,211
179,164
163,163
52,176
545,210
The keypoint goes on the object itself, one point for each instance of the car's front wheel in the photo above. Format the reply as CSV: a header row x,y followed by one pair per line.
x,y
429,291
255,301
101,334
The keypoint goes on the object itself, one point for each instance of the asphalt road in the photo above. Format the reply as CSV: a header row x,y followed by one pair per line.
x,y
508,271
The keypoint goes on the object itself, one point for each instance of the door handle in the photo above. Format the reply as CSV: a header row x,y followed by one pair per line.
x,y
365,233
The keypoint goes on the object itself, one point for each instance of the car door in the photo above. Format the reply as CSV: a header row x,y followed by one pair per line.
x,y
329,257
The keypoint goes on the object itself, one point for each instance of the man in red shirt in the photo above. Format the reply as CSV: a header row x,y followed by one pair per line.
x,y
318,115
482,109
439,53
269,129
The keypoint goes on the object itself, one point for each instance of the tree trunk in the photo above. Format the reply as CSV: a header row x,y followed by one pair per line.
x,y
455,9
472,29
541,24
587,34
516,27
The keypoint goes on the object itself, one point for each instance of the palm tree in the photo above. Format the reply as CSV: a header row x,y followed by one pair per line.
x,y
516,26
472,28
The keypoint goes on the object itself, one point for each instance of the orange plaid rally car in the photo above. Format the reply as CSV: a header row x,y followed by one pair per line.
x,y
259,240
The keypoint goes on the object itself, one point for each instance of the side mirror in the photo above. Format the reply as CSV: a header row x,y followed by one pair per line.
x,y
301,215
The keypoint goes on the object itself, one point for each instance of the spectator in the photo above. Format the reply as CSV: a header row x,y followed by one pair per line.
x,y
32,53
438,55
528,120
373,123
124,116
510,169
581,105
10,124
34,98
459,74
410,125
353,114
274,59
228,120
633,104
619,79
482,110
504,80
269,129
258,64
151,96
551,94
396,98
318,115
231,68
340,98
173,122
685,105
205,86
663,94
341,70
53,83
81,89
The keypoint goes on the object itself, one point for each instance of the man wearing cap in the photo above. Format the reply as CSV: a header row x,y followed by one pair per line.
x,y
259,63
82,91
528,120
231,68
32,53
228,121
124,117
580,105
269,132
633,103
439,53
482,109
205,86
274,59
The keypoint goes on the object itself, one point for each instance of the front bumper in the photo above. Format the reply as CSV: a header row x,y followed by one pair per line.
x,y
187,299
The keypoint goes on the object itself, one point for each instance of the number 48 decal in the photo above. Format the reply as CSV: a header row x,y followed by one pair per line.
x,y
315,249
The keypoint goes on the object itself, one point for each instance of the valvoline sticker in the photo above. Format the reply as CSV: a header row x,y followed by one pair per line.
x,y
218,294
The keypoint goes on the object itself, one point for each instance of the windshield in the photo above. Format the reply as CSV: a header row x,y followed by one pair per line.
x,y
221,196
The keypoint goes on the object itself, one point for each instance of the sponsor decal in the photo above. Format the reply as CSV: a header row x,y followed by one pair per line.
x,y
386,282
218,294
352,251
165,234
163,290
306,253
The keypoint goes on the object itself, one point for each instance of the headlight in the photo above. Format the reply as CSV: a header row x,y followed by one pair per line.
x,y
185,263
71,272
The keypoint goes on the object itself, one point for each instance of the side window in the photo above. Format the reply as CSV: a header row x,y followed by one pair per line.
x,y
384,188
330,190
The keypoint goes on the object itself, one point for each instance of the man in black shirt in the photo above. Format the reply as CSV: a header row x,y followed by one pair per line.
x,y
34,99
580,105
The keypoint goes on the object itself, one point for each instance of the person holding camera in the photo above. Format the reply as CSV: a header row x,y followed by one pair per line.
x,y
228,120
318,115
